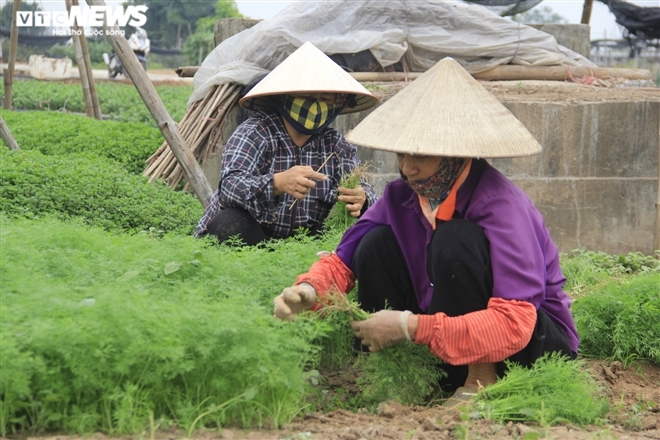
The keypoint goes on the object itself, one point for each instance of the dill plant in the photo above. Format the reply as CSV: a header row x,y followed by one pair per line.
x,y
555,389
619,321
114,332
404,372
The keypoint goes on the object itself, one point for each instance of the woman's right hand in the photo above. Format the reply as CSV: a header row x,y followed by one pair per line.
x,y
297,181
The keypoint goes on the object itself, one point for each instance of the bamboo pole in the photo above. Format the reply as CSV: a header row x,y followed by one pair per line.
x,y
13,47
84,80
656,235
586,11
166,125
7,137
90,73
507,72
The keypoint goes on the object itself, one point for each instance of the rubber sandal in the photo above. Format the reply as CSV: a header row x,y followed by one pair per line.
x,y
461,396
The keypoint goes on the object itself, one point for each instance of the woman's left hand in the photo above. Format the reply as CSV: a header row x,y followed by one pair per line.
x,y
382,330
355,199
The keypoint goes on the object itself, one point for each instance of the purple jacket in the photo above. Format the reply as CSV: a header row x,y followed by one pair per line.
x,y
524,258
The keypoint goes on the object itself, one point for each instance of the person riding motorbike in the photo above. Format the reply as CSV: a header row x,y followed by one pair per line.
x,y
141,46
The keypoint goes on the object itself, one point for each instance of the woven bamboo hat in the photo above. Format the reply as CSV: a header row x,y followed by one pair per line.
x,y
445,112
307,70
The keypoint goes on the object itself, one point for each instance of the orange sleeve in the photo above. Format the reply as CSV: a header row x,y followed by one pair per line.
x,y
505,327
328,275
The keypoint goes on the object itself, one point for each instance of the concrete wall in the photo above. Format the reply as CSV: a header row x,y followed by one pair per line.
x,y
595,181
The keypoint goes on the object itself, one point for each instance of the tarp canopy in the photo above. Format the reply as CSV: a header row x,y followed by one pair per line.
x,y
644,23
507,7
420,32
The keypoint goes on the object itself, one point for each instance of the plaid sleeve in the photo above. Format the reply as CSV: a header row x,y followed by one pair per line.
x,y
242,184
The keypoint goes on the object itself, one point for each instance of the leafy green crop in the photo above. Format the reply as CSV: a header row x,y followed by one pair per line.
x,y
405,372
554,390
586,269
620,320
97,190
103,332
120,101
55,133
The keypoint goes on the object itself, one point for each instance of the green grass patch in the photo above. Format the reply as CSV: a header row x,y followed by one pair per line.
x,y
120,101
554,390
105,332
585,270
56,133
619,321
98,190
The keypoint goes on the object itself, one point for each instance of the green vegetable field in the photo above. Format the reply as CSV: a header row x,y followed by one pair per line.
x,y
114,319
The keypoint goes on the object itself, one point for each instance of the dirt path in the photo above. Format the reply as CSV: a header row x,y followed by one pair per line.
x,y
157,76
633,393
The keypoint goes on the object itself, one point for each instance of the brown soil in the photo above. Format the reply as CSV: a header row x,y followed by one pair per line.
x,y
633,393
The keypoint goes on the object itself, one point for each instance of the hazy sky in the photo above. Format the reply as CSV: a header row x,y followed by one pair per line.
x,y
602,20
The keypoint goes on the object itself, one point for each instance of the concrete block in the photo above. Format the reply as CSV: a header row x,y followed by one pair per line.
x,y
576,37
610,215
588,139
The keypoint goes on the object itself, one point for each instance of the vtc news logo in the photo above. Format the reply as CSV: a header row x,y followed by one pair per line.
x,y
94,16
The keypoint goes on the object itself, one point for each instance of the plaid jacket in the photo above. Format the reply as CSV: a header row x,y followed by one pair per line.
x,y
261,147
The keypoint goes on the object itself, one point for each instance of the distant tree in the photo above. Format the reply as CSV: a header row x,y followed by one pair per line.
x,y
7,13
171,22
201,43
539,15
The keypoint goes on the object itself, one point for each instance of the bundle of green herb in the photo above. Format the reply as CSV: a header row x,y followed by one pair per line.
x,y
339,218
554,390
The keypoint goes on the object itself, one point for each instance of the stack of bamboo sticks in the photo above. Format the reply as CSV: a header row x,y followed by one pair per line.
x,y
201,128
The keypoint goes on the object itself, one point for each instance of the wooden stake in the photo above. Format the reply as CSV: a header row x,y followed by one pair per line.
x,y
166,125
84,80
656,235
7,137
90,73
324,162
13,47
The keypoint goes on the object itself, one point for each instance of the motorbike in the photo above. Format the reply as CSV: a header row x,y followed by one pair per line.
x,y
115,66
141,46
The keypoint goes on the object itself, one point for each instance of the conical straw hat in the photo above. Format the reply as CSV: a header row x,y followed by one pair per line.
x,y
445,112
304,71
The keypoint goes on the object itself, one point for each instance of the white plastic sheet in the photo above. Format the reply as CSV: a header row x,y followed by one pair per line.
x,y
423,32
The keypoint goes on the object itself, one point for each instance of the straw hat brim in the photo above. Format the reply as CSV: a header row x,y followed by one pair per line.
x,y
307,70
445,112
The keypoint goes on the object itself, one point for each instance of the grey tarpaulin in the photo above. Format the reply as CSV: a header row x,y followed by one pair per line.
x,y
423,32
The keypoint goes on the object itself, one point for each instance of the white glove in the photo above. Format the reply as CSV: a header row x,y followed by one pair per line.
x,y
383,329
293,300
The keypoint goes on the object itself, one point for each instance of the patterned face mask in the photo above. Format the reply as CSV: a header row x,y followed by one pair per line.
x,y
308,115
437,186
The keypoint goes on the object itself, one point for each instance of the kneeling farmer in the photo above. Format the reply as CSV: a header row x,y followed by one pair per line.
x,y
458,252
282,168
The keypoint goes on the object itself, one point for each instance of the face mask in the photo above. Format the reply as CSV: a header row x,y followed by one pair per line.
x,y
438,185
308,115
